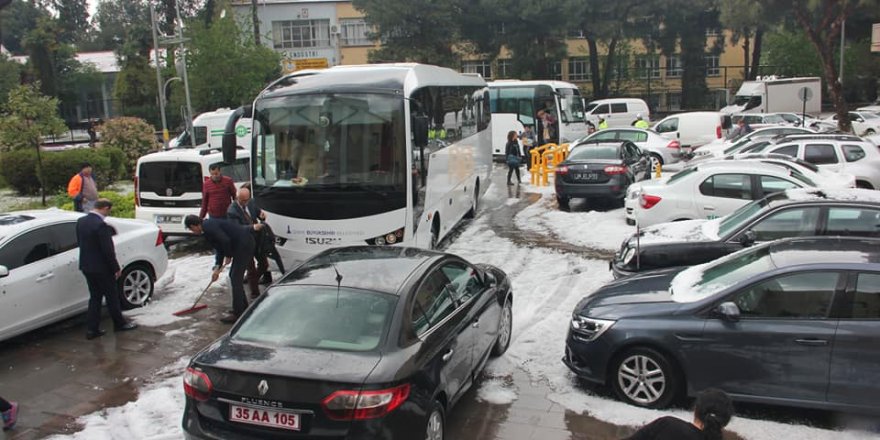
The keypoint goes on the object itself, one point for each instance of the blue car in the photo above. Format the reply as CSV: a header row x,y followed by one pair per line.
x,y
794,322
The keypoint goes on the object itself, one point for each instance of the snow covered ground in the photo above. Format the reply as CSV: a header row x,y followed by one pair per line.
x,y
547,284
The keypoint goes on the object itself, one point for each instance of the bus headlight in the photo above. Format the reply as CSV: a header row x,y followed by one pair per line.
x,y
389,238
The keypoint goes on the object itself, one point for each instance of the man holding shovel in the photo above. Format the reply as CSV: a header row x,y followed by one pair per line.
x,y
233,244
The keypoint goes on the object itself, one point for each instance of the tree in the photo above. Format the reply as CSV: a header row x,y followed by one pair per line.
x,y
256,22
17,20
73,16
10,76
29,116
123,23
822,21
43,50
224,51
424,31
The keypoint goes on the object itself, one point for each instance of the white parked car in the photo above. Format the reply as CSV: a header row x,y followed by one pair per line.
x,y
863,123
823,178
722,147
839,153
660,149
808,121
40,281
693,129
710,190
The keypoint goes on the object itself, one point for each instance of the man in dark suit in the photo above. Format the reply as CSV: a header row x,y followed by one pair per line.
x,y
97,261
232,243
244,211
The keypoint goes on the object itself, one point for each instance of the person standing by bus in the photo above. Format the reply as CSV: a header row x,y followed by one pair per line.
x,y
217,193
528,141
513,155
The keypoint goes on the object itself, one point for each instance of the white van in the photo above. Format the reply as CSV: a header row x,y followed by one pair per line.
x,y
209,127
168,184
618,112
694,129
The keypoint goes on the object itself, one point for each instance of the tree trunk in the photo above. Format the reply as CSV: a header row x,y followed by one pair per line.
x,y
256,22
40,175
609,66
746,56
594,68
756,53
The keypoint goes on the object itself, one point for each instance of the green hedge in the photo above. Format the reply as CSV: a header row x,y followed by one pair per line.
x,y
123,204
19,168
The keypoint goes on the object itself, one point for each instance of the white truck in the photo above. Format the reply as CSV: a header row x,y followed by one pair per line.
x,y
772,95
208,128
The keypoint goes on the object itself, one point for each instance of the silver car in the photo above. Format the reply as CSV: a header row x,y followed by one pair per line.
x,y
661,150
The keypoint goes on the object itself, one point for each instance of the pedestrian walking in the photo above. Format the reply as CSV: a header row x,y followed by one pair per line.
x,y
528,139
217,193
97,261
513,155
246,213
712,412
233,244
9,412
83,189
93,135
742,128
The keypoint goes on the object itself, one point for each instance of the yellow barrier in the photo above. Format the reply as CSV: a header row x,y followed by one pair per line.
x,y
544,160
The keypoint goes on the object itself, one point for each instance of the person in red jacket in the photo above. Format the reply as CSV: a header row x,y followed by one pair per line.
x,y
217,194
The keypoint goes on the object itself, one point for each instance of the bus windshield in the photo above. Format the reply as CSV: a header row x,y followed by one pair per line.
x,y
572,105
317,150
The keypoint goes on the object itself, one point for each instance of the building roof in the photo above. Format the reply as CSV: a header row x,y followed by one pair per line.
x,y
105,61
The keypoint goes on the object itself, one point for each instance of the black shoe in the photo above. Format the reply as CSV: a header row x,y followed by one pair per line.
x,y
509,184
229,318
93,335
128,326
266,278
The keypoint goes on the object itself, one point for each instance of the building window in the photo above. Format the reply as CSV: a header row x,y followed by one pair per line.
x,y
578,69
713,65
556,70
648,65
504,68
355,32
673,66
673,101
294,34
483,67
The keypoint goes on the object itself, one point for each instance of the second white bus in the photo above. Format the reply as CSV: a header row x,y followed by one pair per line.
x,y
343,156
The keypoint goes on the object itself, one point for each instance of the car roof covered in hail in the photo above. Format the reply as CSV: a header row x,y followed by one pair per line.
x,y
15,222
842,195
744,166
377,268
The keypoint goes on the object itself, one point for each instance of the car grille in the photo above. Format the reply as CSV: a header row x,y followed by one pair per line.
x,y
193,203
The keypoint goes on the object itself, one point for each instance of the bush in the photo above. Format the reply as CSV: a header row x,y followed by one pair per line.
x,y
123,204
19,168
131,135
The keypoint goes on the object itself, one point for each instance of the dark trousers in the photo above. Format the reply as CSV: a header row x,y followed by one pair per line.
x,y
244,257
102,286
510,171
4,405
255,271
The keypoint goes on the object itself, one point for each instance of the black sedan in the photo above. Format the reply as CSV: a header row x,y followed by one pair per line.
x,y
356,343
793,213
791,322
600,170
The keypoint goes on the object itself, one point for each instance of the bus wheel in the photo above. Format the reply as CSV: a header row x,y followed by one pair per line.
x,y
435,234
475,204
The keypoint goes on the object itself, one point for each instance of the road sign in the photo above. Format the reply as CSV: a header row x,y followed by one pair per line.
x,y
805,94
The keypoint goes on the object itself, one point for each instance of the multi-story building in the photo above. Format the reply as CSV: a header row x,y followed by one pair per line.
x,y
322,33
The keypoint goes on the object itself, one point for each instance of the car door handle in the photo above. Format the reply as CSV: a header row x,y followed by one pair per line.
x,y
814,342
448,355
44,277
709,208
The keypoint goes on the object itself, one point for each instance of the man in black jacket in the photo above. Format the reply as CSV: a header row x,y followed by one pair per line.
x,y
244,211
97,261
233,243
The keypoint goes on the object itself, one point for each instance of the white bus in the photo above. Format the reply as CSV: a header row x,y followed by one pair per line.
x,y
343,157
515,103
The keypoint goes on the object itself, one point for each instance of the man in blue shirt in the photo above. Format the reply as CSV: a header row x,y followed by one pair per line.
x,y
232,243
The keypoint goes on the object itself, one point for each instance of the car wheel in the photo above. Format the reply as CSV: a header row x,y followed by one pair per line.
x,y
655,160
434,428
135,286
644,377
864,185
563,202
505,329
869,132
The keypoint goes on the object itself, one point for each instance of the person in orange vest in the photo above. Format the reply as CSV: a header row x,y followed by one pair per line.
x,y
83,189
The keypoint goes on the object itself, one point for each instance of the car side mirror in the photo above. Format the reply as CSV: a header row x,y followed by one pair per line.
x,y
748,238
728,311
4,272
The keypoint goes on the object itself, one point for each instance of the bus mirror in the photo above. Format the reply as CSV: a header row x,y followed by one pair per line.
x,y
420,131
229,137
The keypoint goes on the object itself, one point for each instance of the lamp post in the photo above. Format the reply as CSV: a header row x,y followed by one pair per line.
x,y
181,69
165,136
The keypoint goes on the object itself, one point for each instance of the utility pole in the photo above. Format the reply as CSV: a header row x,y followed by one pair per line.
x,y
160,89
189,112
842,34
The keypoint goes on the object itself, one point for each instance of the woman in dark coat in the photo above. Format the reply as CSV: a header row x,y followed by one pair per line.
x,y
513,156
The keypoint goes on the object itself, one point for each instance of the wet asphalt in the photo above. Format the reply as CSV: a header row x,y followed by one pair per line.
x,y
58,376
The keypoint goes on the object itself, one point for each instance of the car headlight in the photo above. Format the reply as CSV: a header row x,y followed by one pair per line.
x,y
589,329
628,255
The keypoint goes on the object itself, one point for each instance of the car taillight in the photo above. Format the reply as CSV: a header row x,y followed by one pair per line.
x,y
137,194
361,405
615,169
197,385
718,131
674,144
647,201
562,170
160,239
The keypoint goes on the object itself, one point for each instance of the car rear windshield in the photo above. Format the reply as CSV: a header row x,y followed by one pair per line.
x,y
181,177
321,317
587,152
